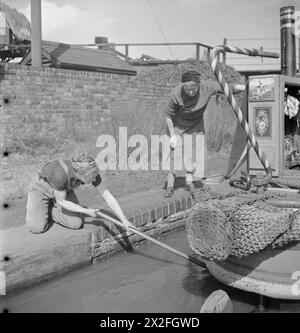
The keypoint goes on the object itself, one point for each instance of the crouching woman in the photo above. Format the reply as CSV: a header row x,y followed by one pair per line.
x,y
51,196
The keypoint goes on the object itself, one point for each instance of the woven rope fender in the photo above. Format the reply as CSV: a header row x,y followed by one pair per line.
x,y
205,194
256,226
239,227
209,232
229,205
291,235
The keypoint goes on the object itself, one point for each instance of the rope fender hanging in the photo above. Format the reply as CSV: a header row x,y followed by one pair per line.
x,y
239,227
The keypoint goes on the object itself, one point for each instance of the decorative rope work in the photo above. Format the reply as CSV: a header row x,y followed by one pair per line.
x,y
281,182
254,228
209,232
205,193
291,235
230,205
229,95
202,194
237,227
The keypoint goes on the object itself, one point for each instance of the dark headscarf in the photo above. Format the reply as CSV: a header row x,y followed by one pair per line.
x,y
85,168
190,76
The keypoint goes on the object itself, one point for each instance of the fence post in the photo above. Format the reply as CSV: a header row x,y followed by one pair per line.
x,y
126,51
224,54
208,53
198,52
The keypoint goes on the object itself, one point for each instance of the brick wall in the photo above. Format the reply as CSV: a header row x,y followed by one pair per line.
x,y
52,100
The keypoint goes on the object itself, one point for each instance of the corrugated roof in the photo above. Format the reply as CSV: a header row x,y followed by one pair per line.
x,y
17,22
83,58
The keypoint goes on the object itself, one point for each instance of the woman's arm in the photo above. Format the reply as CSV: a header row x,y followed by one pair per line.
x,y
170,125
173,137
60,197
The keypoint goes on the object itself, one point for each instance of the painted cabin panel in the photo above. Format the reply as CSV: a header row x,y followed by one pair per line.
x,y
267,121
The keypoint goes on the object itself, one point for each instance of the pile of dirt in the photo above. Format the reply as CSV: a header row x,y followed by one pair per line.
x,y
170,75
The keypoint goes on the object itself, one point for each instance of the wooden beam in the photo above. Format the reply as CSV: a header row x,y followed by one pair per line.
x,y
198,52
126,52
36,33
147,44
224,54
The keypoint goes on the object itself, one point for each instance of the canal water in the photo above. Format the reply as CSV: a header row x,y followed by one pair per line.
x,y
148,279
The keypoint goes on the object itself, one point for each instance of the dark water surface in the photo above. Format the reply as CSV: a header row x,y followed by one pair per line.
x,y
149,279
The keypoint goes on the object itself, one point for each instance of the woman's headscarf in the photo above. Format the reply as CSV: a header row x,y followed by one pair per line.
x,y
190,76
85,168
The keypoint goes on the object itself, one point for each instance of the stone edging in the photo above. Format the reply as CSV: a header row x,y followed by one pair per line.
x,y
37,258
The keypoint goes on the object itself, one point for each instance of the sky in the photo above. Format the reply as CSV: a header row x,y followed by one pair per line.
x,y
160,21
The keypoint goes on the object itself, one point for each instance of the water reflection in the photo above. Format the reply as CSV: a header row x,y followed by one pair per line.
x,y
148,279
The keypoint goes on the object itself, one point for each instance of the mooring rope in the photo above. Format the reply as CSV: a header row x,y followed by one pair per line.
x,y
213,59
292,183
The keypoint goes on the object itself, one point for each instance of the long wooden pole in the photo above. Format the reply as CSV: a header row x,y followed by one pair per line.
x,y
146,44
36,34
155,241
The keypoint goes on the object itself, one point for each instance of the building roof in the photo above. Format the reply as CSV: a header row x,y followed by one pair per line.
x,y
68,56
17,22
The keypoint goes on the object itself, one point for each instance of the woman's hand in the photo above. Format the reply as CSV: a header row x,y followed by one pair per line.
x,y
173,141
127,224
92,212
